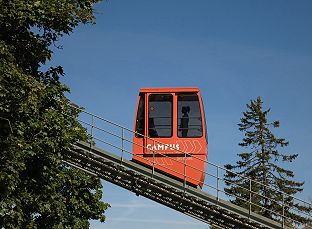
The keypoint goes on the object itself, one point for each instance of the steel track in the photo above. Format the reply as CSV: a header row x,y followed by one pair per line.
x,y
163,189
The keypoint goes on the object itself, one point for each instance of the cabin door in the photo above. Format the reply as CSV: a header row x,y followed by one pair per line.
x,y
161,139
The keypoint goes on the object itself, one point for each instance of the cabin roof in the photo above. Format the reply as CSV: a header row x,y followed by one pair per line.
x,y
169,90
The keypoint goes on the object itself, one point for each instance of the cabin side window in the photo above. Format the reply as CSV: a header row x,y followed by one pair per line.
x,y
189,116
140,121
204,116
160,115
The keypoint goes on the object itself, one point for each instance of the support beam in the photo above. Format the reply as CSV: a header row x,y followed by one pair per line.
x,y
163,189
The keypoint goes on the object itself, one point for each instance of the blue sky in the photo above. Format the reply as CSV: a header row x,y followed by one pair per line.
x,y
233,51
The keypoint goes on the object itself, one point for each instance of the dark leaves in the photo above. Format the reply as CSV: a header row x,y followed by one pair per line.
x,y
36,189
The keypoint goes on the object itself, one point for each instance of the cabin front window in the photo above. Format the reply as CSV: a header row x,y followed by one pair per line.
x,y
160,115
189,116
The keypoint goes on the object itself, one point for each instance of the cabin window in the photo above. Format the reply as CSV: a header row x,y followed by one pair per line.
x,y
160,115
206,133
189,116
140,121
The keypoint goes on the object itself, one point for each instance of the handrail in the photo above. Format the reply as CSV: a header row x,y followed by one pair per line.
x,y
283,216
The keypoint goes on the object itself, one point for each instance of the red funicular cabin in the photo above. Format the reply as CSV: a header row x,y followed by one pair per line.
x,y
171,132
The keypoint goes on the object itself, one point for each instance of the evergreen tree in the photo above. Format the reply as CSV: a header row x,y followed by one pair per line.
x,y
37,190
262,163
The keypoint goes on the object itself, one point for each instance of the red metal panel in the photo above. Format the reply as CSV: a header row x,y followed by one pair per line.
x,y
168,154
169,90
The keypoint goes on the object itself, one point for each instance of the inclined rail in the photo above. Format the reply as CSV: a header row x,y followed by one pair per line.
x,y
151,184
118,168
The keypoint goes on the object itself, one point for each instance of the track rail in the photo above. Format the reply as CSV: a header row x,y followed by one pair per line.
x,y
163,189
115,165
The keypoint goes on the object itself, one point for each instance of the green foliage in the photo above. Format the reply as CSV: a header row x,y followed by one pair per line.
x,y
37,190
262,163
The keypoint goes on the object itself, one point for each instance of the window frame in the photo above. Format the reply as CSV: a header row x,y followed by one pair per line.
x,y
205,122
141,100
200,112
172,112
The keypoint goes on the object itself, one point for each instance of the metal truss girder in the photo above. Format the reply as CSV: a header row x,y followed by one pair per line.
x,y
163,189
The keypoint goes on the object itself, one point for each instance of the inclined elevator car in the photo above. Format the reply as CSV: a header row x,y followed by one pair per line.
x,y
170,133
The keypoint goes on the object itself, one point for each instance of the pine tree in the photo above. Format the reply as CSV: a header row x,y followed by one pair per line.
x,y
259,169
